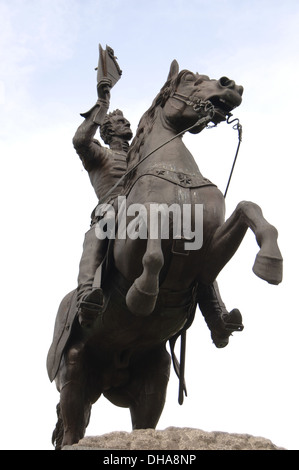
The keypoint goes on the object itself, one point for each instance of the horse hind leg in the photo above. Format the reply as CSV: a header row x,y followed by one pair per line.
x,y
74,408
57,436
142,296
150,388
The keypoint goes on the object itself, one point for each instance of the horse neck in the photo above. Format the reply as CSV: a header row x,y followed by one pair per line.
x,y
174,153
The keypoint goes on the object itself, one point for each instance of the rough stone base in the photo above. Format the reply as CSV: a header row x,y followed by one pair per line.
x,y
173,439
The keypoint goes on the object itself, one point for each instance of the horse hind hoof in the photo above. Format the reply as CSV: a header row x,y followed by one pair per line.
x,y
269,269
140,303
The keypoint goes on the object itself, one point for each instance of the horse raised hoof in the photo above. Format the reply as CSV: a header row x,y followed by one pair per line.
x,y
268,268
142,296
140,303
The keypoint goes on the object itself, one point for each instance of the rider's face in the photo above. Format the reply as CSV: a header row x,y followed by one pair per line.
x,y
122,128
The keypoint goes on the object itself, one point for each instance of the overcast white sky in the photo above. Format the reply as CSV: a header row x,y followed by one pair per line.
x,y
49,49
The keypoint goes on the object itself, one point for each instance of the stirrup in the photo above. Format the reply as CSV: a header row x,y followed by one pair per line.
x,y
90,307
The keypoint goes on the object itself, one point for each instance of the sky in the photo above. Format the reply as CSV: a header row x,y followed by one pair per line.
x,y
49,50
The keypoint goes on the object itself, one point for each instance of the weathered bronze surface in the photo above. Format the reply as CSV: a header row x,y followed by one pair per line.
x,y
136,294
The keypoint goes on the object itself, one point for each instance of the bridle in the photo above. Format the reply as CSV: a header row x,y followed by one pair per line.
x,y
198,105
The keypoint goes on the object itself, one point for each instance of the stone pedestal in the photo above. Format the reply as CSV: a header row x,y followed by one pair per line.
x,y
173,439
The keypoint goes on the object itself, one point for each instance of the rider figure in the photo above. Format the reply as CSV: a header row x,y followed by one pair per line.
x,y
105,167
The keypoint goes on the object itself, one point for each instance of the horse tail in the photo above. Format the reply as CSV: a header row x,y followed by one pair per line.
x,y
57,435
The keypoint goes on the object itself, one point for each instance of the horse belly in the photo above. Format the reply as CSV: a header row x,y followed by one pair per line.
x,y
119,330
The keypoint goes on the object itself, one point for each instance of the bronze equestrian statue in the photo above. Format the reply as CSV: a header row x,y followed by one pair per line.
x,y
111,332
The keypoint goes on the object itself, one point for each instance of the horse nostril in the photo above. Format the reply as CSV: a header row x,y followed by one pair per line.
x,y
223,81
226,82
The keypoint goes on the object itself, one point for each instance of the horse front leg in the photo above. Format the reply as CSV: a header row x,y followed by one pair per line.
x,y
227,238
142,296
130,253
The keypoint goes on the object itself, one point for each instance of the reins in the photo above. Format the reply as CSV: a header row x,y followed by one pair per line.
x,y
237,127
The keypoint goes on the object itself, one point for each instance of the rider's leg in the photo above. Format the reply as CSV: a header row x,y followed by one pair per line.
x,y
89,297
220,322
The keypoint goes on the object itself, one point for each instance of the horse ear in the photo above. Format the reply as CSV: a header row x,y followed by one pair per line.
x,y
174,70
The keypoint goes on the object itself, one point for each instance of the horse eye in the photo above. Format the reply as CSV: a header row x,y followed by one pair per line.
x,y
201,78
189,77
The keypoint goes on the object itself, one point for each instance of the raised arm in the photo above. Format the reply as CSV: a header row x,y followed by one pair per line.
x,y
88,148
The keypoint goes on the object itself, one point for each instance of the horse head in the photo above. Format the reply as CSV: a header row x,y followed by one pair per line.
x,y
187,96
184,99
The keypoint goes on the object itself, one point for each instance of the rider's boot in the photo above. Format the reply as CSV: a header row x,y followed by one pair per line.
x,y
90,307
220,322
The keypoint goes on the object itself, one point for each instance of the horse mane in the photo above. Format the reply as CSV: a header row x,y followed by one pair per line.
x,y
147,120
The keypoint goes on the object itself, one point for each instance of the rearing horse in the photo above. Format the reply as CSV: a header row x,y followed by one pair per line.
x,y
173,111
150,284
